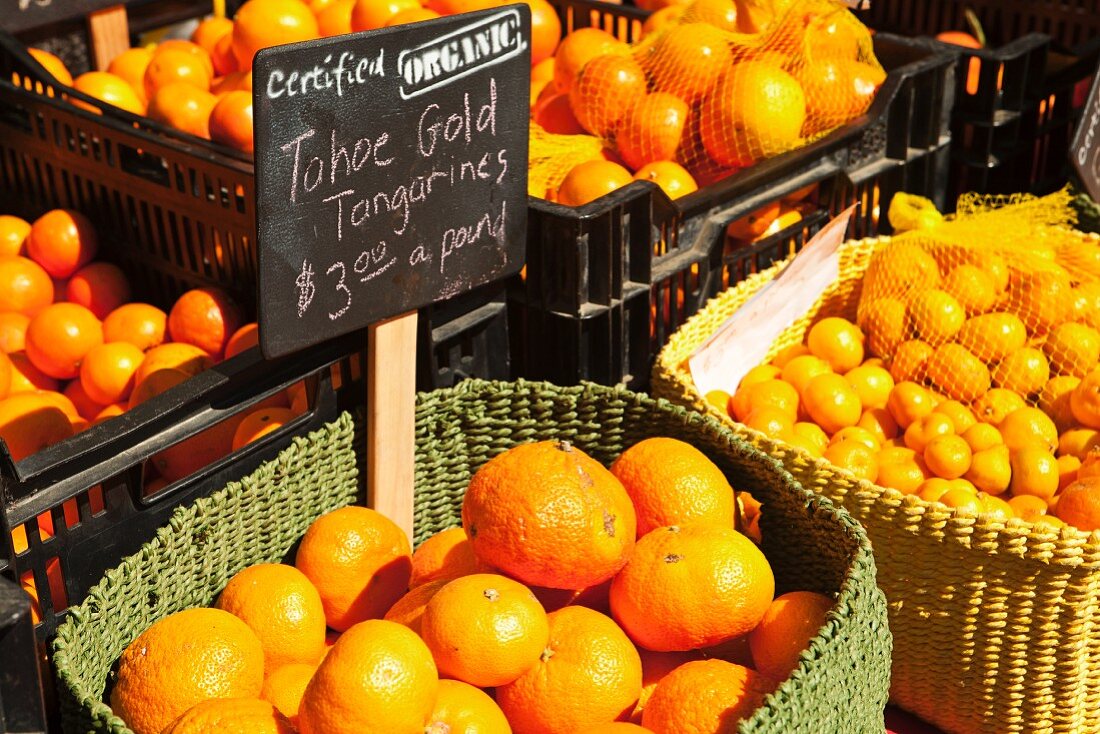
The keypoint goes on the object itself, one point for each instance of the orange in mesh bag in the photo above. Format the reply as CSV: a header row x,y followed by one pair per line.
x,y
717,86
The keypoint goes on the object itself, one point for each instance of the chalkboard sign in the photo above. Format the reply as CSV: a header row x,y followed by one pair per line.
x,y
1085,151
21,15
391,171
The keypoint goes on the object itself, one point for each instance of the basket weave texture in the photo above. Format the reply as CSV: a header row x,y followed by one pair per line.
x,y
996,625
842,680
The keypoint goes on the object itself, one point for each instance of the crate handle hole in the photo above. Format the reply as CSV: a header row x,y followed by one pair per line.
x,y
152,168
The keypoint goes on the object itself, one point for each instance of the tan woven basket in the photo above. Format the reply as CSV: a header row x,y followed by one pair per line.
x,y
996,625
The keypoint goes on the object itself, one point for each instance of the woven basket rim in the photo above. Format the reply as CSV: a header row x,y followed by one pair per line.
x,y
668,369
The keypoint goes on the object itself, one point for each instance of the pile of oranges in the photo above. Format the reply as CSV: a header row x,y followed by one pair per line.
x,y
74,351
573,600
966,382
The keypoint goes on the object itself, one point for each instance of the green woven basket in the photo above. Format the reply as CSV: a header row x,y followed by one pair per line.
x,y
841,683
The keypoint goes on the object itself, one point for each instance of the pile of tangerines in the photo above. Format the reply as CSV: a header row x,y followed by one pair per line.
x,y
573,600
966,382
74,351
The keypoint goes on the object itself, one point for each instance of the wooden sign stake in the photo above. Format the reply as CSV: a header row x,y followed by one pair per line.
x,y
109,31
391,418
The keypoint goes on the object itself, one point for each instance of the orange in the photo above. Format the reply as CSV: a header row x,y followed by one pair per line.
x,y
832,403
770,422
1084,402
588,674
411,15
792,620
671,177
936,316
225,62
996,507
615,727
759,373
230,121
209,31
720,13
60,336
1078,442
107,87
606,88
107,372
1079,504
1068,470
155,383
923,431
484,629
705,696
29,423
100,287
993,336
962,418
285,686
578,522
369,15
982,436
786,354
445,555
904,475
204,317
1042,300
348,551
1029,426
231,716
409,609
25,377
1072,349
130,65
13,234
879,423
577,49
175,66
186,358
1048,521
957,372
13,331
1034,471
800,370
837,90
691,586
136,323
555,115
837,341
1027,507
855,457
462,708
184,107
593,597
755,224
811,433
108,412
673,483
378,677
972,287
872,385
590,180
996,404
948,456
166,669
281,606
1024,371
886,323
1054,400
660,19
188,47
258,423
655,666
688,60
930,490
453,7
909,363
769,393
52,64
62,241
991,469
545,30
262,23
957,498
244,338
754,111
335,18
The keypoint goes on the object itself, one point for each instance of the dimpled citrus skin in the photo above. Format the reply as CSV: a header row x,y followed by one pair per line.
x,y
590,673
445,555
485,629
463,709
409,609
285,686
284,610
183,659
360,562
673,483
231,716
705,697
378,678
547,514
690,587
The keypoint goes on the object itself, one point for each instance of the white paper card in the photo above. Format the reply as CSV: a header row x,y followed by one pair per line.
x,y
742,342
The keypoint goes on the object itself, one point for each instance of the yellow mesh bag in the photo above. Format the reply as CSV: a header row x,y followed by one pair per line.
x,y
1004,296
714,91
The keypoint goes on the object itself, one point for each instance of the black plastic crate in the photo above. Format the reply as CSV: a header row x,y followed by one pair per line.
x,y
21,702
1012,124
589,263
